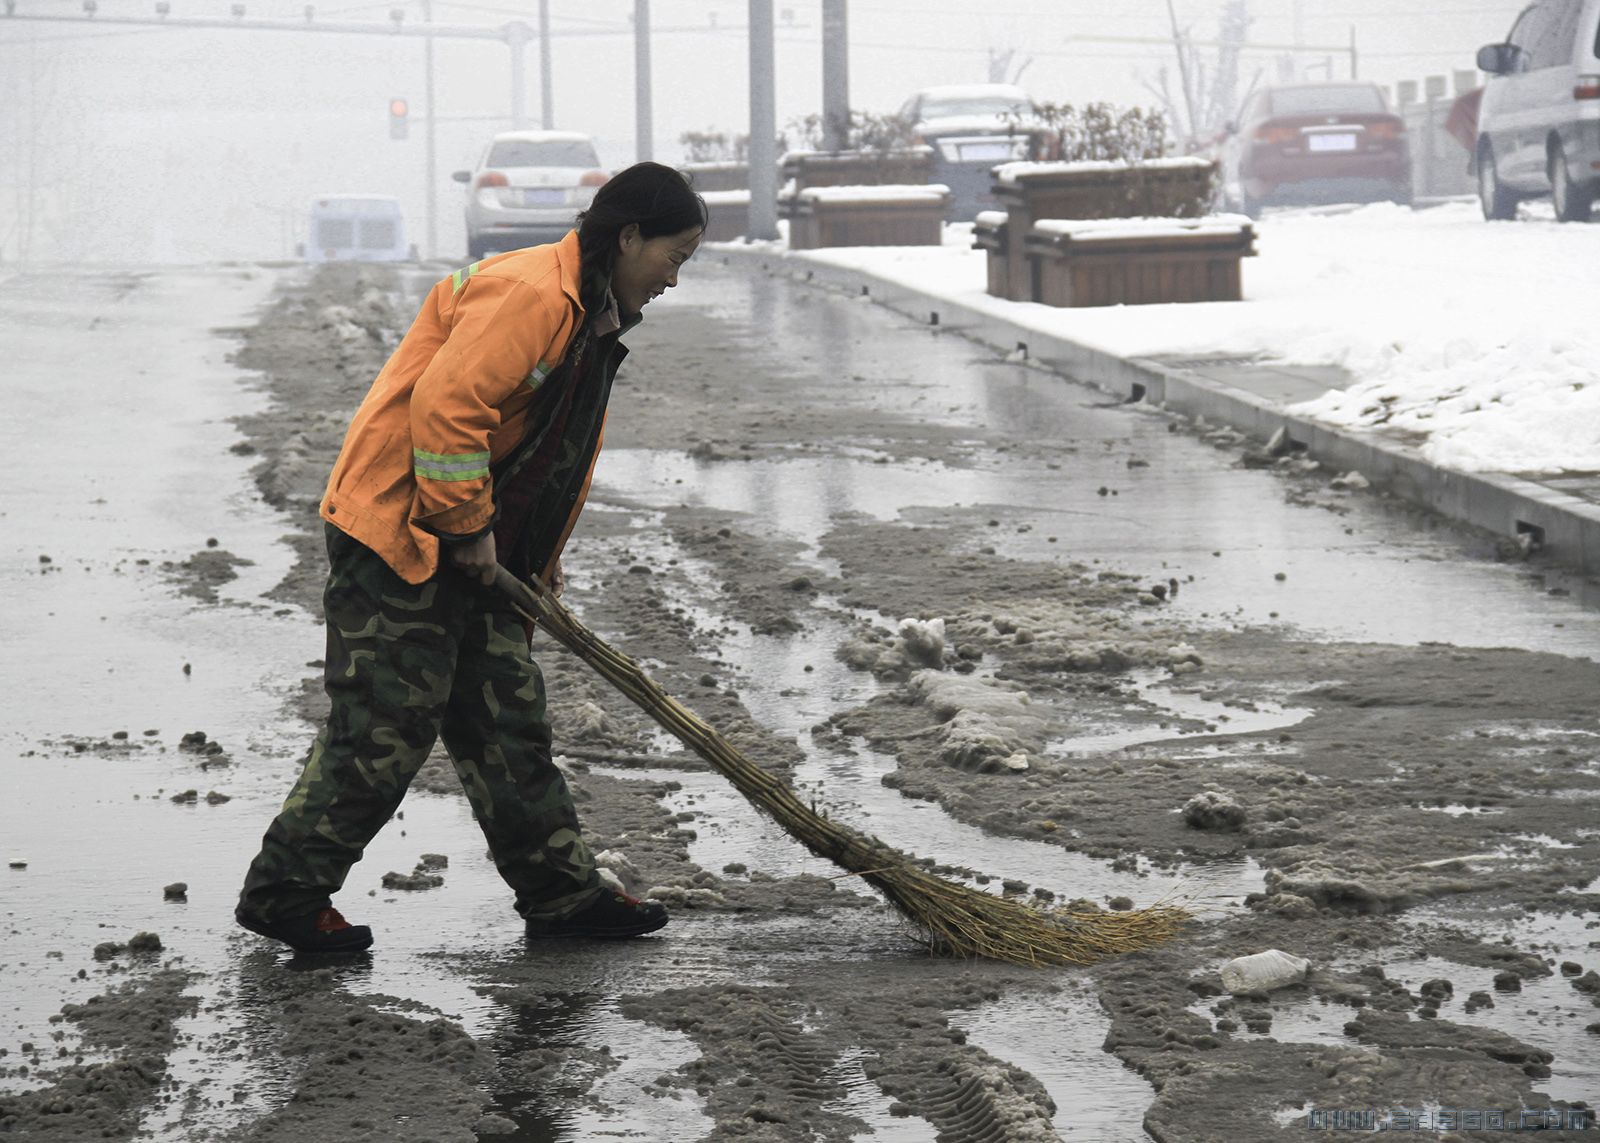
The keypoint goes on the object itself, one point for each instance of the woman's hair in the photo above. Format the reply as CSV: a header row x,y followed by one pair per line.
x,y
655,196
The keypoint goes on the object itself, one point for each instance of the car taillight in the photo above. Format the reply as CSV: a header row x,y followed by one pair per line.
x,y
1386,129
1587,87
593,179
492,179
1270,134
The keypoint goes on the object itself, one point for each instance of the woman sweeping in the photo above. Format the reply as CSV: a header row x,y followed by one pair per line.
x,y
473,448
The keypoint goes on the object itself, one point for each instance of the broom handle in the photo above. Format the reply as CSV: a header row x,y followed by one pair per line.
x,y
537,603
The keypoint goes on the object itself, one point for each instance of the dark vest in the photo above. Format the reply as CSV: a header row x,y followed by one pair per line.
x,y
537,484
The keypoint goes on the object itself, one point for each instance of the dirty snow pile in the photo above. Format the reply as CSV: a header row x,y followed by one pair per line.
x,y
1475,339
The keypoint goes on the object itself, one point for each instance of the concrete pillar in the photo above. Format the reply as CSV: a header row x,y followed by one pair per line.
x,y
763,124
517,37
643,115
835,74
547,110
429,161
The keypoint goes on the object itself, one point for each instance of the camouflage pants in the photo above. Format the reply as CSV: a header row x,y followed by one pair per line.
x,y
406,665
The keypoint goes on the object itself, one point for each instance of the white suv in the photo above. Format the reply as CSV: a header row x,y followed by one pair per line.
x,y
528,188
1539,122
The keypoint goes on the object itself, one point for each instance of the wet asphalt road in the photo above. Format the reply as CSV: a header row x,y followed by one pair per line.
x,y
122,375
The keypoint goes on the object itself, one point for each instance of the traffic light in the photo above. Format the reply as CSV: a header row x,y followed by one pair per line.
x,y
398,109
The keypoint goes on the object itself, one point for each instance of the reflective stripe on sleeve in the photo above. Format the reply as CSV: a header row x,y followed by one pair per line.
x,y
459,278
540,372
462,466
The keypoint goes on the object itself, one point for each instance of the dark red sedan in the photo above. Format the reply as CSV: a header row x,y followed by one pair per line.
x,y
1314,143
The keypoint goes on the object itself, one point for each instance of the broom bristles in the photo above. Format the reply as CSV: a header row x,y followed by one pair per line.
x,y
952,918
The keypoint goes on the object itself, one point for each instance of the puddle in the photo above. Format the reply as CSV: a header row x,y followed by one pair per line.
x,y
635,1106
792,682
1153,690
846,783
1535,732
1548,1013
97,826
1307,585
1295,1020
848,787
865,1100
1097,1098
1543,841
803,493
1359,573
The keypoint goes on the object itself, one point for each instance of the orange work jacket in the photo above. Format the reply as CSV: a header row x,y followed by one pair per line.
x,y
452,400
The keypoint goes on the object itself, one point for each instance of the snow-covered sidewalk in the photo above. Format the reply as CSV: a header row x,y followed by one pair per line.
x,y
1478,338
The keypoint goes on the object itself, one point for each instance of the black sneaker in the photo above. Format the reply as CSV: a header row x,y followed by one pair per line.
x,y
612,915
324,931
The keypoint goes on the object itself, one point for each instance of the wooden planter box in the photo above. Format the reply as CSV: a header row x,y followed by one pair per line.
x,y
1137,262
802,170
989,235
868,216
1030,192
728,215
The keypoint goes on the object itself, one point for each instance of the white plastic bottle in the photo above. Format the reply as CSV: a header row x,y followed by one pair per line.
x,y
1264,971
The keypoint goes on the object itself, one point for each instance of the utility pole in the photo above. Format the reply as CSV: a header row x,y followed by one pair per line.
x,y
643,117
31,216
835,75
517,36
763,124
547,111
429,163
1299,38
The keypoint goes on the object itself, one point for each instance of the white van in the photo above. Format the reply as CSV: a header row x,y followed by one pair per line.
x,y
1539,122
356,228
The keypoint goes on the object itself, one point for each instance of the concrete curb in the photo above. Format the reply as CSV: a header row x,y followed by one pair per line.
x,y
1565,528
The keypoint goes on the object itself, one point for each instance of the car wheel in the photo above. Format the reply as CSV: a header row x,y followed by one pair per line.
x,y
1572,202
475,248
1499,204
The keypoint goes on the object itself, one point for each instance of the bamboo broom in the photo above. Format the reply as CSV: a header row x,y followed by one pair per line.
x,y
951,918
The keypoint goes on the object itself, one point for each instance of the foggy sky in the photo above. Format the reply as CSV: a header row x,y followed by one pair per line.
x,y
165,145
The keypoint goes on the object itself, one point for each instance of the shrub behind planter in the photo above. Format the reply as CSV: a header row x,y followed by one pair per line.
x,y
1151,188
726,176
904,167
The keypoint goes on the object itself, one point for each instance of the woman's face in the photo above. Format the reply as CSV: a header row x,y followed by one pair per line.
x,y
648,267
